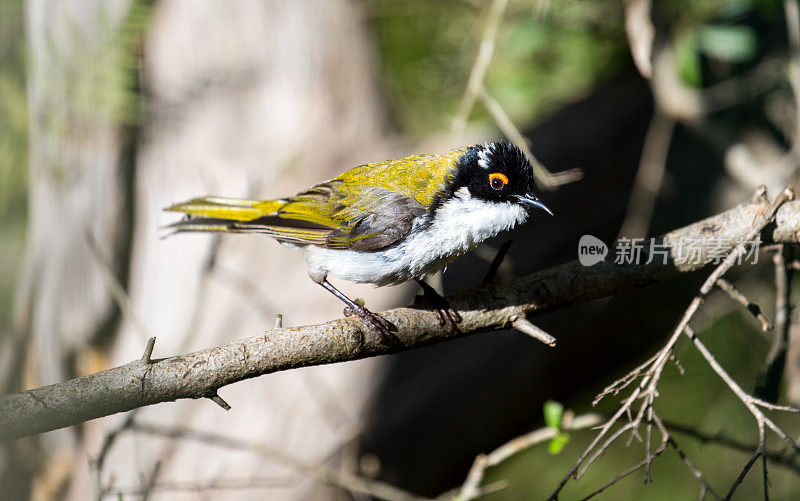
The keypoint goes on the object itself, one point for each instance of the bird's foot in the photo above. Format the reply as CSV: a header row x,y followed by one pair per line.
x,y
447,315
385,328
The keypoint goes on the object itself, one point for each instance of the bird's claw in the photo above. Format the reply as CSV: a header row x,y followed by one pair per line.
x,y
385,328
446,314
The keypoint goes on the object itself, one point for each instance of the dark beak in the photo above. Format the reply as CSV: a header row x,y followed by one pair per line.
x,y
531,200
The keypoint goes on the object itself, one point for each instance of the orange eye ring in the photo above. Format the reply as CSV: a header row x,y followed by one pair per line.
x,y
497,180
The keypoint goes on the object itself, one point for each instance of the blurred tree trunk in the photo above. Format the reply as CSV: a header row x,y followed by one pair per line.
x,y
79,185
243,99
250,99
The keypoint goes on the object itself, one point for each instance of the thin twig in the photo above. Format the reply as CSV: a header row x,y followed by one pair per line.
x,y
753,404
96,464
481,65
786,459
696,473
149,482
629,471
693,469
792,13
768,383
641,34
499,257
348,481
471,487
544,177
650,175
650,372
743,473
198,487
115,287
752,307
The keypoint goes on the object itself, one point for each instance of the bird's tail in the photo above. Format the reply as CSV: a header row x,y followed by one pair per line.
x,y
222,214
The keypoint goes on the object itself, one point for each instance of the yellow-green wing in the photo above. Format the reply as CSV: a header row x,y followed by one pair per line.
x,y
419,177
366,208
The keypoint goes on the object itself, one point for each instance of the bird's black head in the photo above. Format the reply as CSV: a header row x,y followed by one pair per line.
x,y
497,172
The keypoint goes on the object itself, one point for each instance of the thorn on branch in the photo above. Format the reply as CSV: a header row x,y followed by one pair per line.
x,y
219,401
148,351
526,327
760,196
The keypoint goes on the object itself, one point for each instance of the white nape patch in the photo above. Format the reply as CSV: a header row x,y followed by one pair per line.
x,y
459,225
483,156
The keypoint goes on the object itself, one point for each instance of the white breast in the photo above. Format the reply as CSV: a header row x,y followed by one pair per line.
x,y
459,225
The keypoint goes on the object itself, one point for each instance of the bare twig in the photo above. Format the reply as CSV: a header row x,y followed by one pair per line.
x,y
348,481
482,60
247,288
544,177
115,287
641,33
745,301
496,262
197,487
96,464
743,473
526,327
650,175
199,374
696,473
753,404
792,12
769,379
629,471
650,372
470,489
786,458
149,482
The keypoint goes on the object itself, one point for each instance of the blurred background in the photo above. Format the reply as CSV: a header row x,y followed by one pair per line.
x,y
111,110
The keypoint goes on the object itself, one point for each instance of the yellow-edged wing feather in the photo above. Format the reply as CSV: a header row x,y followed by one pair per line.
x,y
367,207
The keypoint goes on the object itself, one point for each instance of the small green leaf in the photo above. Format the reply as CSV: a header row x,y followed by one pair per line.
x,y
553,413
557,443
687,59
360,301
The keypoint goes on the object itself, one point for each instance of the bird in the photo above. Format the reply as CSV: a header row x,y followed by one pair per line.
x,y
387,222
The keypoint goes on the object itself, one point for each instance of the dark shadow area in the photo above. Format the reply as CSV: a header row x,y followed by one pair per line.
x,y
438,407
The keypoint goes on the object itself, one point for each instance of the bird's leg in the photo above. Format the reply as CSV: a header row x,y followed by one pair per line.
x,y
380,324
447,315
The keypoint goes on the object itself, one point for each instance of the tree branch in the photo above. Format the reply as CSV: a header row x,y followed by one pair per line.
x,y
487,308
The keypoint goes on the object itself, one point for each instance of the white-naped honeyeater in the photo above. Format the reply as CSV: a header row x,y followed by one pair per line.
x,y
387,222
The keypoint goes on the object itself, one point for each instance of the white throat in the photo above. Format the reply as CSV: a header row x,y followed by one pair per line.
x,y
458,226
464,221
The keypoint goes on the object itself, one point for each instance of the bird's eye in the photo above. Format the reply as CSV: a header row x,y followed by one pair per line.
x,y
497,180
